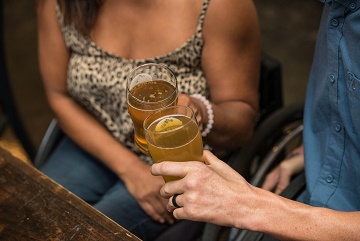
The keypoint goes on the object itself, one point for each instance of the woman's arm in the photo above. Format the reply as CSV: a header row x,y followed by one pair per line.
x,y
231,62
215,193
82,127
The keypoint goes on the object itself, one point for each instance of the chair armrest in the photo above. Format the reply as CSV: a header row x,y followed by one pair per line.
x,y
52,136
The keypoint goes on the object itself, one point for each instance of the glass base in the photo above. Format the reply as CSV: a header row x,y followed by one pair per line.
x,y
142,147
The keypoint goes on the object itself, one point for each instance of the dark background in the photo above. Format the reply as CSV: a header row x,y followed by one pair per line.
x,y
288,28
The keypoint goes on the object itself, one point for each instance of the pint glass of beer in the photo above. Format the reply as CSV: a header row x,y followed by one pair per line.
x,y
150,87
172,134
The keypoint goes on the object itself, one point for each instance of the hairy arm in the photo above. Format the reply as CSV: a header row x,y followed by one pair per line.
x,y
290,220
215,193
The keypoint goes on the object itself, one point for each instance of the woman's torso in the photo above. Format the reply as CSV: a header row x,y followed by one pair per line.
x,y
97,69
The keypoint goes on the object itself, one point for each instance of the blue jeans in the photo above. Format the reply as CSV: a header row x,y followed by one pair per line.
x,y
93,182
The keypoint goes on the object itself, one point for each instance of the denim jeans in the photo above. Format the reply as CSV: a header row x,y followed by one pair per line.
x,y
93,182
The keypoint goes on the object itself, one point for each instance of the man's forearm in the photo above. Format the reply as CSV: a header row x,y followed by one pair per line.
x,y
290,220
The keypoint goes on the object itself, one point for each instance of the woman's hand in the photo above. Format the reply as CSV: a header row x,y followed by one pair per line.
x,y
145,189
279,178
197,106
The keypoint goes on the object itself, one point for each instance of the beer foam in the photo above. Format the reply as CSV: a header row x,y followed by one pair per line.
x,y
139,79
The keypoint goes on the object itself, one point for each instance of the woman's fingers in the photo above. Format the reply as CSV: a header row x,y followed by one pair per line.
x,y
156,207
272,179
151,211
194,104
284,181
164,212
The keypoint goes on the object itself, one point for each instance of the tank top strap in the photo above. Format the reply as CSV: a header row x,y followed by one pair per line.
x,y
202,17
59,14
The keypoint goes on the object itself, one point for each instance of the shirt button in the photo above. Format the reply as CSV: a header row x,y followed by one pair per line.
x,y
329,179
352,6
337,127
332,78
334,22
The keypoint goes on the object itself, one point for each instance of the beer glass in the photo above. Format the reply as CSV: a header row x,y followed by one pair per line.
x,y
172,134
150,87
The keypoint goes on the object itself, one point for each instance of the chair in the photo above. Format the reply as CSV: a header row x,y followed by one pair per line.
x,y
270,86
3,121
274,138
7,102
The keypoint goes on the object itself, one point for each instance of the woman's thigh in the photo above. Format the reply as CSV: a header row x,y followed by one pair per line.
x,y
78,171
93,182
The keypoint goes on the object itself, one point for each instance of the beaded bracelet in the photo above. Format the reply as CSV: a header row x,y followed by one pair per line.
x,y
210,114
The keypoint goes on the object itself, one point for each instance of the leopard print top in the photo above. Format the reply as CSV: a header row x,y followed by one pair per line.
x,y
96,79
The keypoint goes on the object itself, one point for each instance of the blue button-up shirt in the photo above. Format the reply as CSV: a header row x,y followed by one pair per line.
x,y
332,110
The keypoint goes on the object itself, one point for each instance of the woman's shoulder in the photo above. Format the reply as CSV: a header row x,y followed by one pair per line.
x,y
231,9
231,16
45,5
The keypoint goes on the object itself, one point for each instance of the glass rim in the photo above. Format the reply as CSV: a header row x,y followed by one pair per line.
x,y
150,64
128,92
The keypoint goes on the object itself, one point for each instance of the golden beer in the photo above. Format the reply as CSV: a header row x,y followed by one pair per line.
x,y
173,137
145,99
150,87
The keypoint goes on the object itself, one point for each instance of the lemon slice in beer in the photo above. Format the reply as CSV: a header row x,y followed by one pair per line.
x,y
168,123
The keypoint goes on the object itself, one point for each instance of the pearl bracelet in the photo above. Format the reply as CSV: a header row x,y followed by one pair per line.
x,y
210,114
